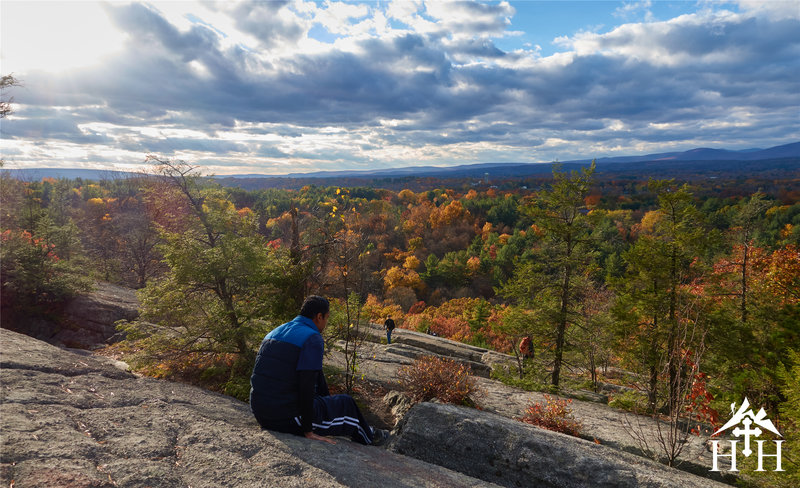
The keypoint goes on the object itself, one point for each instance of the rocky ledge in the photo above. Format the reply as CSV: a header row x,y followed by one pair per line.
x,y
71,420
84,421
512,454
601,424
87,321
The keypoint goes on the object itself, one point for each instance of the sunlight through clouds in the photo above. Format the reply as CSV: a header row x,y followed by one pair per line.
x,y
58,39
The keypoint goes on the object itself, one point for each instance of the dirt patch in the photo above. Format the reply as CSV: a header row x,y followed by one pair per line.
x,y
376,411
369,397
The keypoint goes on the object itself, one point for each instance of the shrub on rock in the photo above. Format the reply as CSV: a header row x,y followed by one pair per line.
x,y
430,377
554,415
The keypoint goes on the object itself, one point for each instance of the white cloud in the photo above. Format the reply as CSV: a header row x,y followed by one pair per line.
x,y
773,9
463,18
404,10
710,37
337,17
633,8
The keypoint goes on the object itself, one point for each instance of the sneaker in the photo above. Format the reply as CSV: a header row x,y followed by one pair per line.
x,y
379,437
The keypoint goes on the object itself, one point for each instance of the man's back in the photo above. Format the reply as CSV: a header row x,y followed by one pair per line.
x,y
288,391
295,345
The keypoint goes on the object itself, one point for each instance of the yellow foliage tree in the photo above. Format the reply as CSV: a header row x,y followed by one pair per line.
x,y
487,229
397,276
473,264
447,214
407,197
377,311
650,221
412,263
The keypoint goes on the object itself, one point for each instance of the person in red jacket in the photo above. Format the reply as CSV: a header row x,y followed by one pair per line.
x,y
526,347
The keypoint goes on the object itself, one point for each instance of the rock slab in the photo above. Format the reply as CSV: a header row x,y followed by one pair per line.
x,y
414,344
70,420
513,454
88,321
609,426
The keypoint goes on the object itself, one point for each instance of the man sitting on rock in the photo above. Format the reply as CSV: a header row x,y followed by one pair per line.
x,y
288,392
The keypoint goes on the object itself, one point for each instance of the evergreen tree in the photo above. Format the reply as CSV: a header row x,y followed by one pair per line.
x,y
550,284
653,299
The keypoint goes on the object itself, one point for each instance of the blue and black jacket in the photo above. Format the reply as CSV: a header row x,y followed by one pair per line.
x,y
288,373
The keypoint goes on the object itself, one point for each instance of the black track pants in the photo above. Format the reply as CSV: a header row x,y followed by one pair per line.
x,y
335,415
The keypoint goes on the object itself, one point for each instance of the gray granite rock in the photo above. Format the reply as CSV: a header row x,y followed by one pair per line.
x,y
90,318
412,344
398,403
609,426
70,420
87,321
511,453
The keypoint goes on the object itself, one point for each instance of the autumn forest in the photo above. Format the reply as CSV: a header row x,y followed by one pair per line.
x,y
693,287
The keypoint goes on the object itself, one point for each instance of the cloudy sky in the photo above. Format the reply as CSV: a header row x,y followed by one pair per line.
x,y
299,86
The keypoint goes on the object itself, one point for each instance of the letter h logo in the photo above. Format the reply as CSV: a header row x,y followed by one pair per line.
x,y
747,418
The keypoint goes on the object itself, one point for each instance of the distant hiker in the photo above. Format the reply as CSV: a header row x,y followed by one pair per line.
x,y
526,347
288,392
389,326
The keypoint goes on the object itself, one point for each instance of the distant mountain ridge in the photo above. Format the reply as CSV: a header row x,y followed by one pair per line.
x,y
495,170
700,154
708,154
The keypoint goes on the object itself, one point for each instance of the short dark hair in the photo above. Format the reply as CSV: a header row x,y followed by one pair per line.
x,y
313,305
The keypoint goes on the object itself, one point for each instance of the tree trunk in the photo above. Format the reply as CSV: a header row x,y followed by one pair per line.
x,y
745,256
652,387
562,326
295,255
520,359
673,355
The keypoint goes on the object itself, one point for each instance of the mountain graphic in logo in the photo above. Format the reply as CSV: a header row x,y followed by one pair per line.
x,y
747,418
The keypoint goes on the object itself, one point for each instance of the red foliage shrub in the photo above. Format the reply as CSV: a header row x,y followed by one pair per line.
x,y
555,415
698,402
455,328
430,377
417,308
